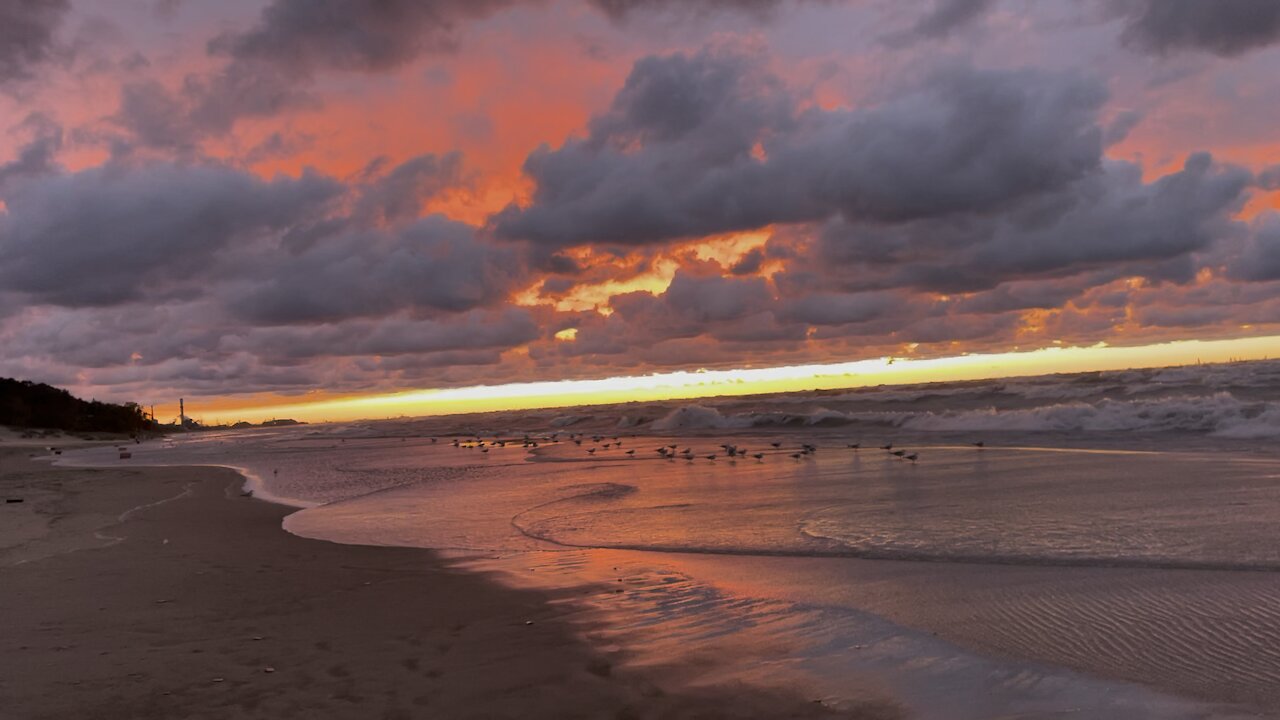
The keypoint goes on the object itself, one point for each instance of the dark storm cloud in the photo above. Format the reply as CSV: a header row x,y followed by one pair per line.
x,y
27,28
1222,27
948,15
1260,258
621,9
399,193
271,66
1110,219
102,236
434,264
713,142
37,157
305,36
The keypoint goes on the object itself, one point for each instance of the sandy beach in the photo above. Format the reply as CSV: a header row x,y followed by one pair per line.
x,y
163,593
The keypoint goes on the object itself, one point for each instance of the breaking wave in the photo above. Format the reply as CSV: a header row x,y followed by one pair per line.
x,y
1220,415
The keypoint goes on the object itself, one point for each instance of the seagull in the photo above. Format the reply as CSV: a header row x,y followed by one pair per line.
x,y
776,445
912,457
887,446
899,453
979,444
855,446
758,456
712,458
631,453
591,451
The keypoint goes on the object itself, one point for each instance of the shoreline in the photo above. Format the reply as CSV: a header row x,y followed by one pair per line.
x,y
207,608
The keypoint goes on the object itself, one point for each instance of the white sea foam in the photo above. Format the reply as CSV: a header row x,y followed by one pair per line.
x,y
699,417
1220,414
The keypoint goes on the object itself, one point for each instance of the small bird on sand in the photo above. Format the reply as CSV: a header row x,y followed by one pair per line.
x,y
631,453
591,451
899,453
795,456
912,457
979,444
887,446
758,456
776,445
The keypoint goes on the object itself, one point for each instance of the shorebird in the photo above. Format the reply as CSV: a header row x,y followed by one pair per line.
x,y
776,444
979,444
631,453
855,446
912,457
899,453
758,456
591,451
795,456
887,446
712,458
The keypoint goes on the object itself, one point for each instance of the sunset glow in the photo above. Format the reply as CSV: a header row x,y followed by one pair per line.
x,y
404,207
719,383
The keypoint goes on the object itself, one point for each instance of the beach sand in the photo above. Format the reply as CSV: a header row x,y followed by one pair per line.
x,y
163,593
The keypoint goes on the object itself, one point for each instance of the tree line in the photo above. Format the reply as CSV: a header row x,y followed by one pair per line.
x,y
36,405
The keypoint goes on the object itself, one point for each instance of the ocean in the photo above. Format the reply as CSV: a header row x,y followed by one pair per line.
x,y
1100,545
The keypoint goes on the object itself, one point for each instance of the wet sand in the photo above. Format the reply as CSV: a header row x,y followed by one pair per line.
x,y
162,593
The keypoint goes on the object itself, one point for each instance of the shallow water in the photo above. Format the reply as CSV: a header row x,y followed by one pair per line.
x,y
1061,570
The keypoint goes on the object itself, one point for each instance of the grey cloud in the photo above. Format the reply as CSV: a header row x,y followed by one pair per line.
x,y
710,143
1269,178
843,309
1222,27
1109,220
37,157
1260,258
949,15
27,30
434,264
621,9
399,193
310,35
102,236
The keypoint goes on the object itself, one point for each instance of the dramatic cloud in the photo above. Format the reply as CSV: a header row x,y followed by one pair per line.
x,y
1110,219
272,195
948,15
26,35
1222,27
714,142
304,36
109,234
433,264
1261,257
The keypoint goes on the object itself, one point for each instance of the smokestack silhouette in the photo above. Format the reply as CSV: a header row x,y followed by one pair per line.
x,y
182,413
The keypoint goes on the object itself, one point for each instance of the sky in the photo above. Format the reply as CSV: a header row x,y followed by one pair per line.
x,y
256,203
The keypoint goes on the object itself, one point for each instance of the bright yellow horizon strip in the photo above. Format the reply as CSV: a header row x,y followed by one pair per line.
x,y
684,385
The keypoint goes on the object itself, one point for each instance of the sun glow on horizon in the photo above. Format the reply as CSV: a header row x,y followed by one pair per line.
x,y
686,385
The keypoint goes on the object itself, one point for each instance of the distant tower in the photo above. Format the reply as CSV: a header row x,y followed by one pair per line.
x,y
182,413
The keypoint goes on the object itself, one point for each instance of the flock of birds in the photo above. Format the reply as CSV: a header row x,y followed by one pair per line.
x,y
670,452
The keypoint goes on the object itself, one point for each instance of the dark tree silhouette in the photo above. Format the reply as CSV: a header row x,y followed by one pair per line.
x,y
36,405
